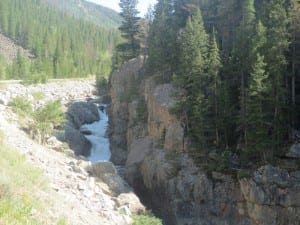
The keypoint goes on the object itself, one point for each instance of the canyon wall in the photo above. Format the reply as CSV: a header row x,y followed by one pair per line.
x,y
150,142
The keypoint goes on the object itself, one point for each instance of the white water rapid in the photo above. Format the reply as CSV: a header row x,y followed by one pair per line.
x,y
100,142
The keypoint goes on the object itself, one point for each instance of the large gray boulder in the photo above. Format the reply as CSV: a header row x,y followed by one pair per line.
x,y
294,151
80,113
77,142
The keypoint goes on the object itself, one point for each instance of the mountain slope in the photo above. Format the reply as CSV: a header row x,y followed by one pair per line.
x,y
88,11
63,45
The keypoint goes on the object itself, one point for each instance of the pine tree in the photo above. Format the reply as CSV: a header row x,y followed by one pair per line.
x,y
213,71
294,22
242,53
191,77
161,39
275,20
130,27
258,114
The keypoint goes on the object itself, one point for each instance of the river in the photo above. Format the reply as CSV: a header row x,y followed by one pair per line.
x,y
100,142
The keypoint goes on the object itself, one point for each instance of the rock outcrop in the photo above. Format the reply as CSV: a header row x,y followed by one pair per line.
x,y
122,91
272,196
153,145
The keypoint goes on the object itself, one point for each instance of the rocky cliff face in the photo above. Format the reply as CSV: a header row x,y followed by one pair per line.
x,y
152,145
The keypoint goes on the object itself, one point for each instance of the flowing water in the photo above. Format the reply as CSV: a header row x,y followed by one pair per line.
x,y
100,142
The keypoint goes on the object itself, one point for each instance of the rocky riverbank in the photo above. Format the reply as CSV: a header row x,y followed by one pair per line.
x,y
84,194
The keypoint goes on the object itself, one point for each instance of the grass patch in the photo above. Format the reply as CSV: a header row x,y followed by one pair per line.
x,y
20,184
18,181
38,95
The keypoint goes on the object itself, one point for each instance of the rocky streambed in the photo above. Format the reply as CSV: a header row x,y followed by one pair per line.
x,y
87,193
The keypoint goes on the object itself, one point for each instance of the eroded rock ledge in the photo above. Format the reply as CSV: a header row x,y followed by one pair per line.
x,y
150,142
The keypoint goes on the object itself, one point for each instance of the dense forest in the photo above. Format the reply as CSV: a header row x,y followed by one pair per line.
x,y
90,12
236,66
63,45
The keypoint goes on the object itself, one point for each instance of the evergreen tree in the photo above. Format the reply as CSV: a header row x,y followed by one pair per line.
x,y
161,39
275,20
130,27
243,62
191,77
294,54
213,70
258,114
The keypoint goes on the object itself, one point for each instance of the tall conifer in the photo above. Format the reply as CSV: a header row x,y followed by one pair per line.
x,y
130,27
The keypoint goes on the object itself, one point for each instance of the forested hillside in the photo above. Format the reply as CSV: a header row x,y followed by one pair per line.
x,y
88,11
236,64
63,45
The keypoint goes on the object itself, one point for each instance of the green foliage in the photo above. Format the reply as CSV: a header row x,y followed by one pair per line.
x,y
146,220
21,106
45,119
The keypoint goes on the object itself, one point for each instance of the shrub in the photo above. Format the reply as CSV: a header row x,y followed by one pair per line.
x,y
45,119
21,106
146,220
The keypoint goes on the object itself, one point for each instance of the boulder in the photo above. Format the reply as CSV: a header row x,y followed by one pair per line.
x,y
3,100
294,151
271,175
80,113
132,202
116,184
101,168
77,142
